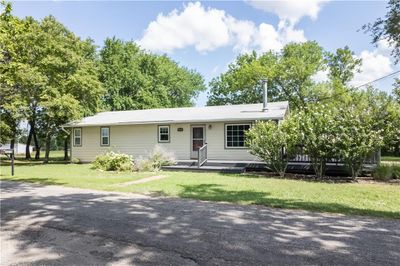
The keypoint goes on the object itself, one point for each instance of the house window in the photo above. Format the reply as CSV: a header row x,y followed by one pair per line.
x,y
77,137
235,135
105,136
163,133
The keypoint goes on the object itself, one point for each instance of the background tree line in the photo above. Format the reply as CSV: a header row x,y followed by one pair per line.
x,y
49,76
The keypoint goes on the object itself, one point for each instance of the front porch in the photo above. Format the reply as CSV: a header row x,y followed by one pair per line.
x,y
226,166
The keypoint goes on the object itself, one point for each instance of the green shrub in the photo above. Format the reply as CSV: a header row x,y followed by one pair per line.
x,y
158,158
383,172
144,165
112,161
75,161
396,171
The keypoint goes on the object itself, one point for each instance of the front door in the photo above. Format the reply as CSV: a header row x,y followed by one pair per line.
x,y
197,136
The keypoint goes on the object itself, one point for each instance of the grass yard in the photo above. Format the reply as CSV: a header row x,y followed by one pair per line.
x,y
381,200
390,159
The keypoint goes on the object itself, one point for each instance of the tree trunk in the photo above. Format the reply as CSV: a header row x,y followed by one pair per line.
x,y
28,142
47,153
37,147
66,148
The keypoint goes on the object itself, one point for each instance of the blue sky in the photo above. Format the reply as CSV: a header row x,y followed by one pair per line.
x,y
207,36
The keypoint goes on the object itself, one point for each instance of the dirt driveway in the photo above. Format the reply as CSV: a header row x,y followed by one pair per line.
x,y
58,225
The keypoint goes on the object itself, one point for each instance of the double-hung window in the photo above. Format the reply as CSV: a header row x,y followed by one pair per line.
x,y
163,134
105,136
235,135
77,137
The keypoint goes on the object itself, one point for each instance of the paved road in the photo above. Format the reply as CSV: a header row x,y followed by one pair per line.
x,y
57,225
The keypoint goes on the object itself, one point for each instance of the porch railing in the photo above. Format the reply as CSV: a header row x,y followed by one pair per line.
x,y
202,155
302,157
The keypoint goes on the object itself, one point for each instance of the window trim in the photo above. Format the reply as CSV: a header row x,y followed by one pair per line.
x,y
159,135
226,135
73,137
101,137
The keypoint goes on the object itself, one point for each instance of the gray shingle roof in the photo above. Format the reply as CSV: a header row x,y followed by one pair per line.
x,y
240,112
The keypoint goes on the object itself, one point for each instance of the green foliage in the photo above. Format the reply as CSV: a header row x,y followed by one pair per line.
x,y
289,75
135,79
386,172
49,75
274,143
317,127
356,136
342,65
386,113
241,83
396,171
158,158
111,161
387,28
396,90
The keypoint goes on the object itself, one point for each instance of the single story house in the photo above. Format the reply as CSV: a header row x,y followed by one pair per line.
x,y
179,130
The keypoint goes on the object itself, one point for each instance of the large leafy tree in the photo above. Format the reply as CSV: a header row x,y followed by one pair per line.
x,y
241,83
387,28
43,63
342,65
289,74
136,79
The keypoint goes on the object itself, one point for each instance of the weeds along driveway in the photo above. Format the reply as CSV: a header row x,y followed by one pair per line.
x,y
59,225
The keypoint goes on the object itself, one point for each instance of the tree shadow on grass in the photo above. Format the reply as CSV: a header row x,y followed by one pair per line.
x,y
42,181
63,226
19,160
214,192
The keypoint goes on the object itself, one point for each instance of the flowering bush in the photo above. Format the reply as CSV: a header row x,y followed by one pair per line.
x,y
317,127
112,161
158,158
274,143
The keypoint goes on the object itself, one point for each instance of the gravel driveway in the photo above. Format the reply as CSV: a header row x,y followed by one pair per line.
x,y
58,225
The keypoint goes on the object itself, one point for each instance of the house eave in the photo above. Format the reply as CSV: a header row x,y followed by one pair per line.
x,y
69,125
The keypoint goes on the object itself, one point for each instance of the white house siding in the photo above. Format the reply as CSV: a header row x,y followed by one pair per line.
x,y
139,140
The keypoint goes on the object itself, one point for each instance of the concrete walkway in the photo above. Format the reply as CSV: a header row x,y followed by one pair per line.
x,y
56,225
142,180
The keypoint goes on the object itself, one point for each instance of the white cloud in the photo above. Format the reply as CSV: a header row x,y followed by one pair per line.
x,y
290,10
375,64
321,76
207,29
204,29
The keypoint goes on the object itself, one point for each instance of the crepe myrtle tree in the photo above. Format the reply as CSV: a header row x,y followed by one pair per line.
x,y
317,129
273,142
356,136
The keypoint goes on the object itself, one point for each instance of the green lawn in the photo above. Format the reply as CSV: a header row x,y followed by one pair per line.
x,y
349,198
390,159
